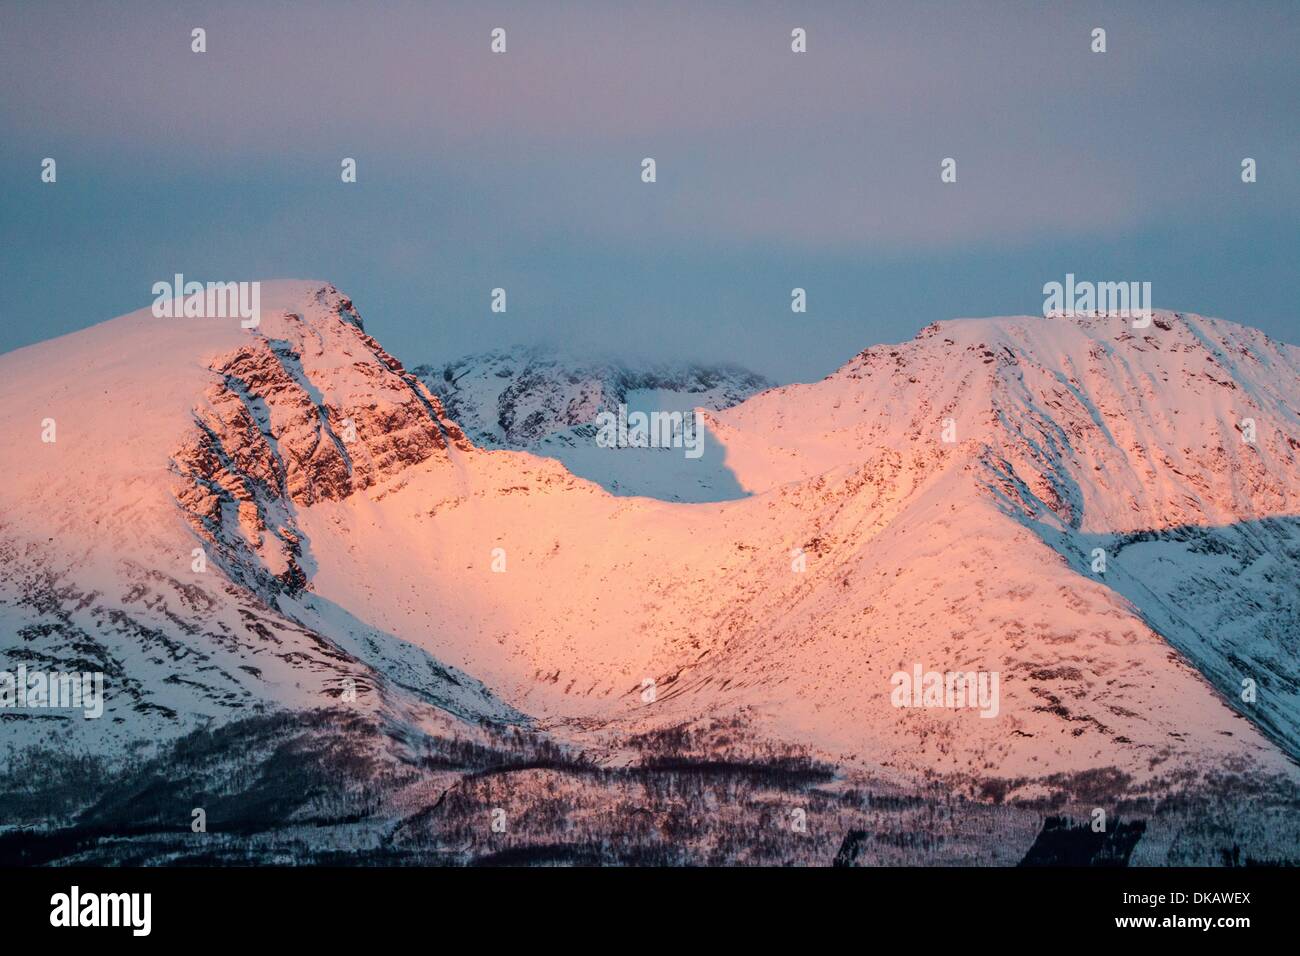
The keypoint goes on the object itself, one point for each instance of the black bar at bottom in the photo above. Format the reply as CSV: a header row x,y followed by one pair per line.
x,y
331,906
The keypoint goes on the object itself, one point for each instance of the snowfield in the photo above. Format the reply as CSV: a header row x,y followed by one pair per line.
x,y
1109,518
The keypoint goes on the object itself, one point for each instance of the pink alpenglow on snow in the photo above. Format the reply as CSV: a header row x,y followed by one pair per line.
x,y
1024,549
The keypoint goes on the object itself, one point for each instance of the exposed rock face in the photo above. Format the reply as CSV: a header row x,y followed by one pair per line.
x,y
310,409
172,429
939,502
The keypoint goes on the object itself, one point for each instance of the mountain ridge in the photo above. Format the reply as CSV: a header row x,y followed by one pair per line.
x,y
384,548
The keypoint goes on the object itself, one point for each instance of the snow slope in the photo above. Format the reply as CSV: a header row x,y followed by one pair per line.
x,y
866,543
161,447
1095,435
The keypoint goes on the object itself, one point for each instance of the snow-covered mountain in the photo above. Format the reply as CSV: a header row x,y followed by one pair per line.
x,y
1107,518
517,398
184,444
547,402
1173,451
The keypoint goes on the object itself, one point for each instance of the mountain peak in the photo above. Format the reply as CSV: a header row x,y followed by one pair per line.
x,y
941,501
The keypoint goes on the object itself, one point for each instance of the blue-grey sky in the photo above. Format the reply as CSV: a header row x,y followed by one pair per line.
x,y
775,169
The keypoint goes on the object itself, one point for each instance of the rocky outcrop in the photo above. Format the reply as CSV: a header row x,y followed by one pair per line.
x,y
310,409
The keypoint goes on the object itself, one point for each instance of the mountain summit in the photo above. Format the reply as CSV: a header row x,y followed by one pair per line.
x,y
1102,523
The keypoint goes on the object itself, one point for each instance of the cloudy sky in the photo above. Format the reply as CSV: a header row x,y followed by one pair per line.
x,y
775,169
